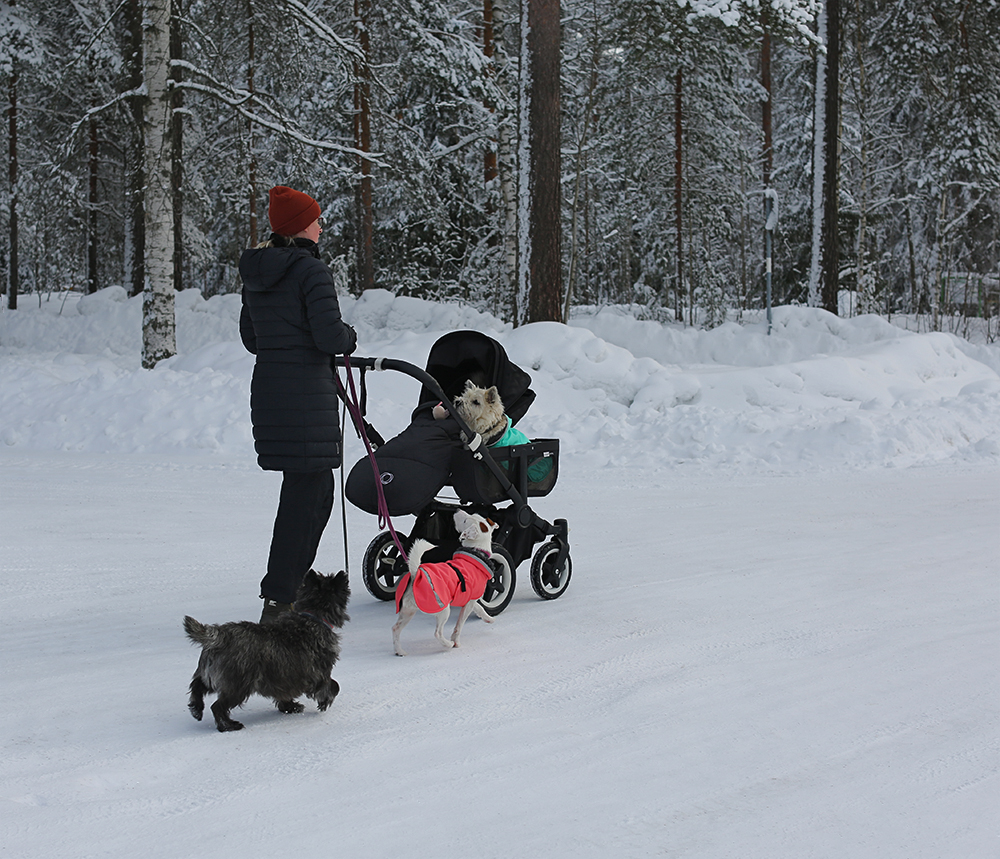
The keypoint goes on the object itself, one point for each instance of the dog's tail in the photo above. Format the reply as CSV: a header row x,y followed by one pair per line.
x,y
200,633
417,550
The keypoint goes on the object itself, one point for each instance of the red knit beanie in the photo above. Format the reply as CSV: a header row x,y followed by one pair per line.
x,y
290,211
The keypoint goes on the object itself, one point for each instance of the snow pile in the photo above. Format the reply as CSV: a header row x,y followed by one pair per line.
x,y
819,392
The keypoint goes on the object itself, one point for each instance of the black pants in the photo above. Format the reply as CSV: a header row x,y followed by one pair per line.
x,y
304,508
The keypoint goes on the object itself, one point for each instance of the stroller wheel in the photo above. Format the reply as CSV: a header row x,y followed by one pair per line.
x,y
378,567
500,590
548,582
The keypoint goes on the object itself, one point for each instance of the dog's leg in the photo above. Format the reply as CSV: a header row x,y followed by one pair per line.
x,y
198,689
442,619
462,617
481,612
327,692
220,709
289,706
407,609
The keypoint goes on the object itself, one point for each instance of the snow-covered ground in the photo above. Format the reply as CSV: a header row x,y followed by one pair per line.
x,y
780,639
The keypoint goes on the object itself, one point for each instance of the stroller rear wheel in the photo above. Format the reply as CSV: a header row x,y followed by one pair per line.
x,y
548,582
500,590
378,567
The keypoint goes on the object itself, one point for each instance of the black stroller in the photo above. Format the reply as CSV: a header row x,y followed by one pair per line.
x,y
414,466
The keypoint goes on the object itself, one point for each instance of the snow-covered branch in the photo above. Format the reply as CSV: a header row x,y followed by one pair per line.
x,y
465,141
326,33
799,16
95,111
237,99
961,216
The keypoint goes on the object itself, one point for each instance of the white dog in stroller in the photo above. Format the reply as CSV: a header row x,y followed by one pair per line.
x,y
435,588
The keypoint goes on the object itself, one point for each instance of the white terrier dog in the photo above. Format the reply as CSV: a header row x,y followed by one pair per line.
x,y
435,588
481,408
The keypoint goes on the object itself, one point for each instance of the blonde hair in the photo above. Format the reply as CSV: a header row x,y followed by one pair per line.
x,y
276,241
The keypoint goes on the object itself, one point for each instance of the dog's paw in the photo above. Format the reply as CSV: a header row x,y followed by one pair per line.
x,y
290,707
197,712
400,651
228,725
333,690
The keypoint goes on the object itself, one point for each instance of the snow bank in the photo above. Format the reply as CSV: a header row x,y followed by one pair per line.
x,y
820,392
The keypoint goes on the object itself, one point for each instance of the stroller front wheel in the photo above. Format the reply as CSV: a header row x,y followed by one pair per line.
x,y
500,590
547,581
378,567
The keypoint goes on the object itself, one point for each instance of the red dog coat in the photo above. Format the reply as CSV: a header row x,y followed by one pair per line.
x,y
456,582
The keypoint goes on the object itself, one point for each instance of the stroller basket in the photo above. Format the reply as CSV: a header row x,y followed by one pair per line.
x,y
532,469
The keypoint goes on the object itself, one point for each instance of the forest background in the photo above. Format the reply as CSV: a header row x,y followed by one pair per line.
x,y
703,154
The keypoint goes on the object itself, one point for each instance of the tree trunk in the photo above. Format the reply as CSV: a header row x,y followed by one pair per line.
x,y
540,251
177,147
93,151
938,254
363,143
865,280
490,170
914,298
679,189
506,164
581,157
768,158
766,112
13,279
135,256
252,161
818,167
831,172
158,337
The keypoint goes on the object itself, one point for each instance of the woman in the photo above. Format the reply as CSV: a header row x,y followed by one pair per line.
x,y
291,321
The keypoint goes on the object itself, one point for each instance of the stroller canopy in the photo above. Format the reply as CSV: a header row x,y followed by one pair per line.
x,y
470,355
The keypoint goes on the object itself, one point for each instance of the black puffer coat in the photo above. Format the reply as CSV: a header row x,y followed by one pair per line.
x,y
291,322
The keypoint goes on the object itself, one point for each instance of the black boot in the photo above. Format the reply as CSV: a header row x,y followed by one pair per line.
x,y
272,610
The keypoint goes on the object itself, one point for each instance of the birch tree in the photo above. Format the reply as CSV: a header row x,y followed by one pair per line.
x,y
158,335
816,233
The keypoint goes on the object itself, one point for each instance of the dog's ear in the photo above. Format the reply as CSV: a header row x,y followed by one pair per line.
x,y
492,523
484,527
492,395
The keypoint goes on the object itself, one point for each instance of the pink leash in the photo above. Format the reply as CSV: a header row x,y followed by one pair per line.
x,y
352,402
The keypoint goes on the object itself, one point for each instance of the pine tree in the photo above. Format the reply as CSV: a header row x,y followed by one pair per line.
x,y
20,48
945,71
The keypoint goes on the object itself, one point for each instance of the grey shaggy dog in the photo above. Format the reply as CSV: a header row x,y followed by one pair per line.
x,y
282,660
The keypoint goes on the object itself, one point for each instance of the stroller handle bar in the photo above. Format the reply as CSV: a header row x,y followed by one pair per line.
x,y
380,364
472,440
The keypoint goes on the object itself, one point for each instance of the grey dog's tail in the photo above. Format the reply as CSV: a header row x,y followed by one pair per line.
x,y
200,633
